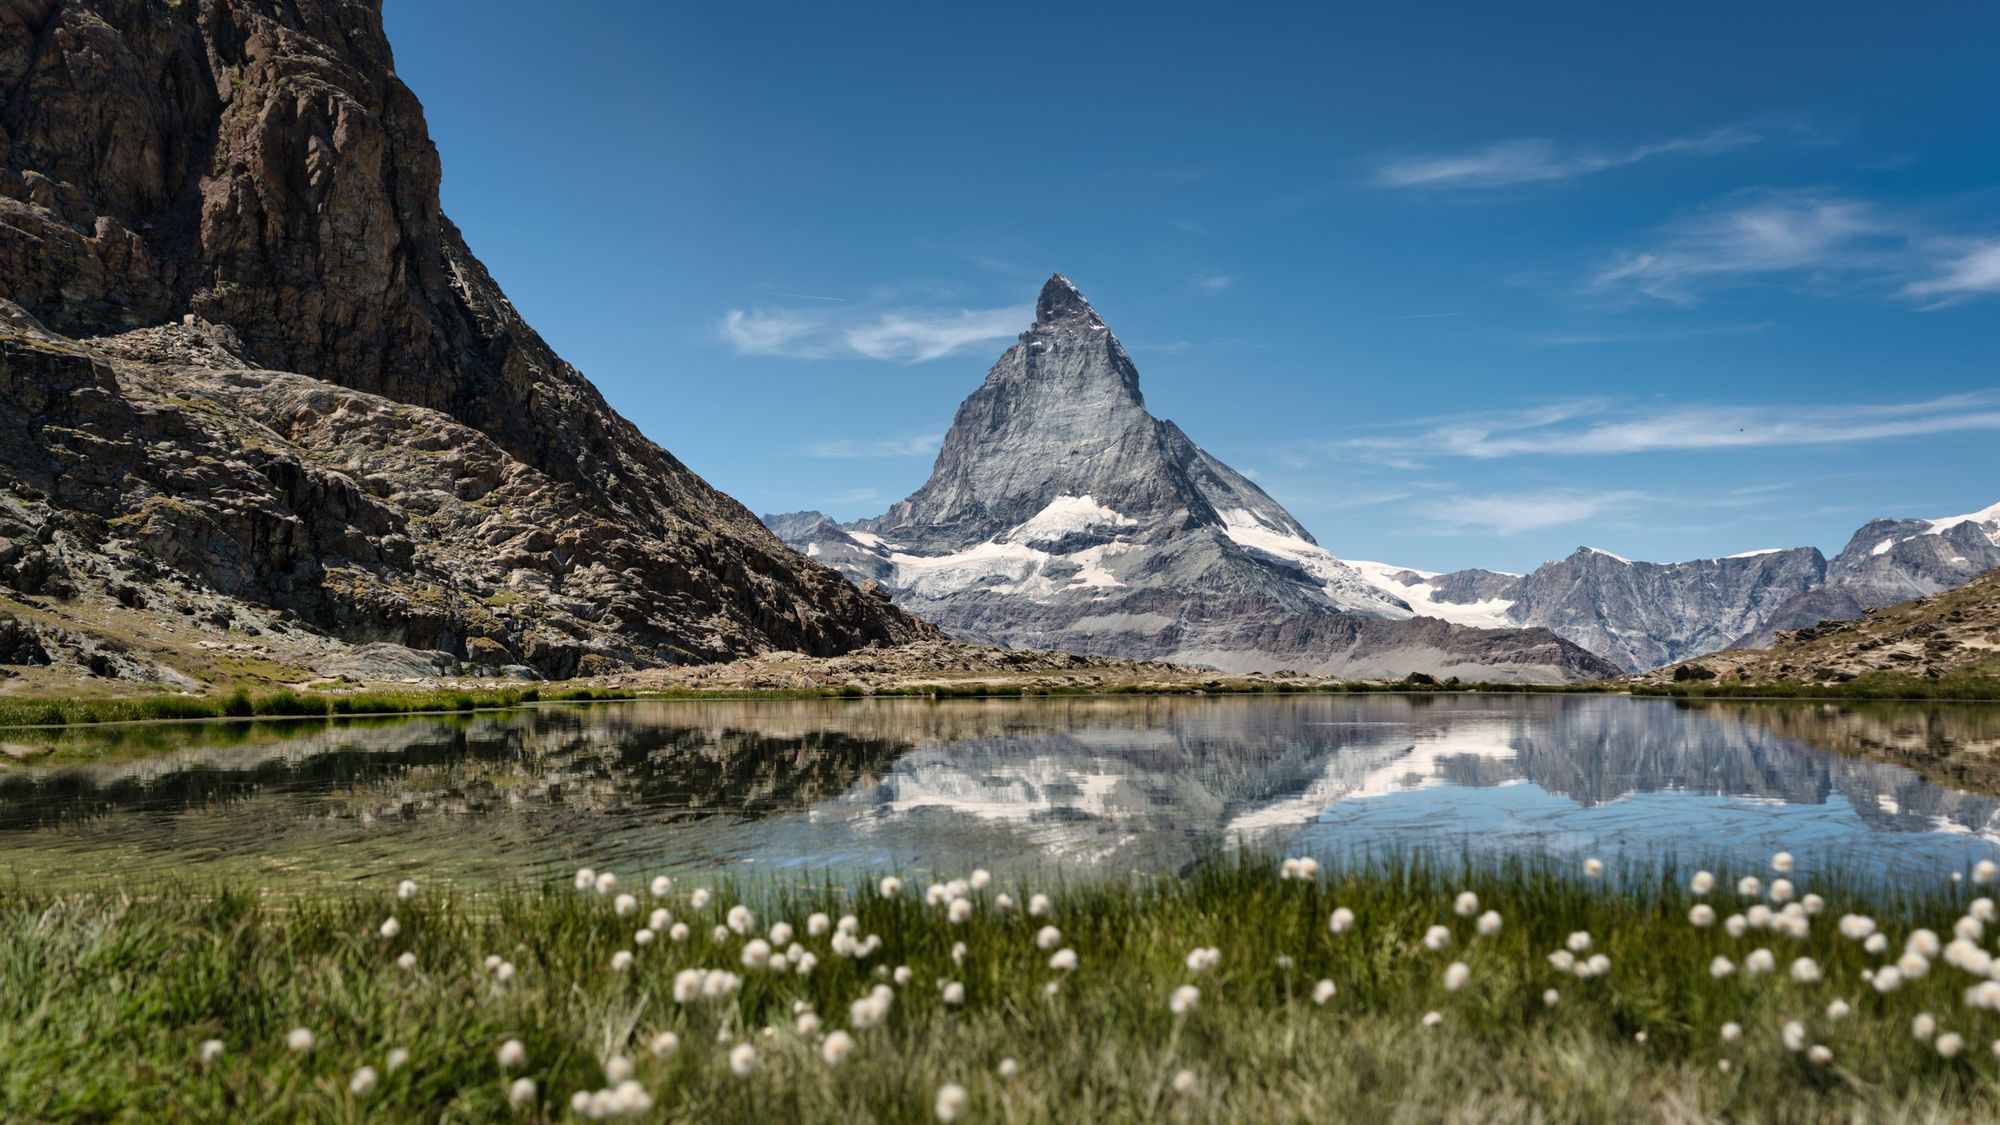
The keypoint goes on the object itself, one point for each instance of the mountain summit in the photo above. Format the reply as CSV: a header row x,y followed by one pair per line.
x,y
1062,514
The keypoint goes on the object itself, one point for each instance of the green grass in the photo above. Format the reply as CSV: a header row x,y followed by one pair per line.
x,y
105,998
1874,685
242,705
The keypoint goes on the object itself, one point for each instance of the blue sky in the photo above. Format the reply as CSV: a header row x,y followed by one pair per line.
x,y
1458,284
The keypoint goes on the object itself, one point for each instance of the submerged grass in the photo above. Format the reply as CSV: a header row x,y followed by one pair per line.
x,y
106,997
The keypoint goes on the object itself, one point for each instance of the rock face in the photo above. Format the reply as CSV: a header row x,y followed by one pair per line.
x,y
1646,615
247,357
1061,514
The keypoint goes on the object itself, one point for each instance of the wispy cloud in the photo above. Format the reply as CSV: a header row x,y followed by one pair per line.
x,y
1515,512
923,445
1815,240
1601,428
896,335
1214,282
1582,337
1525,160
1970,271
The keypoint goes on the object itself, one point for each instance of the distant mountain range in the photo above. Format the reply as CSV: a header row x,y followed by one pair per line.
x,y
1061,514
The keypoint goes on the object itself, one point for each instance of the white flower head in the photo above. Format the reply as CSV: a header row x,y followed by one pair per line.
x,y
1877,944
1593,867
889,887
621,960
1466,905
1984,871
1009,1069
363,1083
1887,979
1782,890
1184,999
1735,925
1720,968
756,953
662,886
585,878
743,1060
606,882
664,1045
1063,960
1794,1035
740,919
1322,992
836,1048
1950,1044
1048,937
980,878
1185,1084
1749,886
1701,914
1578,942
512,1055
1702,883
209,1052
407,962
390,928
959,912
1782,863
1759,962
1805,970
1924,1025
700,899
1341,920
299,1040
1436,938
1432,1019
617,1069
625,905
1456,975
951,1102
407,889
954,993
679,933
521,1093
1838,1010
1550,998
1731,1032
1201,960
1489,923
1038,905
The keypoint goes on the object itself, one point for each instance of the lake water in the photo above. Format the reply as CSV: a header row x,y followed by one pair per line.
x,y
1088,785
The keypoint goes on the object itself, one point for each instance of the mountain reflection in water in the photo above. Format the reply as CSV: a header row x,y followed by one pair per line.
x,y
1109,784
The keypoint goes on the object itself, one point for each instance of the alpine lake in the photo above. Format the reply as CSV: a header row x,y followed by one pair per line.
x,y
1080,787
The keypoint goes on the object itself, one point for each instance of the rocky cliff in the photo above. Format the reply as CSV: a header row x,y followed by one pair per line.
x,y
1061,514
252,377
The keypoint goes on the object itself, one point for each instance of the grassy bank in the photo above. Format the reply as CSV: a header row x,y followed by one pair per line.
x,y
1875,685
287,704
106,1001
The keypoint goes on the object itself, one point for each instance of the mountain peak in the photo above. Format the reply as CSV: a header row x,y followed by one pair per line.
x,y
1061,300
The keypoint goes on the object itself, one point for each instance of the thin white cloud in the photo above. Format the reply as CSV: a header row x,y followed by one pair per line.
x,y
1757,237
1598,428
1971,271
895,335
1214,282
1527,160
1515,512
924,445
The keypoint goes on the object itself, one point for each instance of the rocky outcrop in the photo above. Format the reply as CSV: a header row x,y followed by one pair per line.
x,y
1062,514
247,356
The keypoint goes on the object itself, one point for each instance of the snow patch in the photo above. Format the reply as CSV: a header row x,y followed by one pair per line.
x,y
1488,614
1066,515
1344,585
1608,555
1756,553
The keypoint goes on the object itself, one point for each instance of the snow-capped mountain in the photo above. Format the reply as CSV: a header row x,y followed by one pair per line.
x,y
1061,514
1643,615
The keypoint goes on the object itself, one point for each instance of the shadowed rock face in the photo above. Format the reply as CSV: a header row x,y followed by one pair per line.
x,y
258,167
1062,514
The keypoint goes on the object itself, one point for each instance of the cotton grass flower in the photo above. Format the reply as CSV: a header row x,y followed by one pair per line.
x,y
837,1047
1984,871
1805,970
1731,1032
299,1040
743,1060
1562,960
1794,1036
889,887
1063,961
1876,944
617,1069
740,919
1003,902
1322,992
1813,904
663,1045
1759,962
1202,960
606,882
624,905
903,974
661,886
1184,999
954,994
1048,937
1913,965
959,912
209,1052
780,933
1577,942
1924,1025
621,960
1467,904
1950,1044
364,1082
687,985
700,899
818,924
1702,883
1432,1019
1759,917
719,934
407,962
1009,1069
585,878
1456,975
1436,938
1924,942
1856,927
1593,867
521,1094
951,1102
407,889
1782,863
679,933
1820,1054
504,972
1887,979
1550,998
1749,886
643,937
1782,890
756,954
1838,1010
1038,905
512,1055
1735,925
1488,924
1341,920
1185,1084
1721,967
1701,914
390,928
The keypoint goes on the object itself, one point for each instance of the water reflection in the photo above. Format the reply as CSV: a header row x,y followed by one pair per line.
x,y
1108,784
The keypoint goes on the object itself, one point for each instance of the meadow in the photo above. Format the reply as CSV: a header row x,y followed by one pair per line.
x,y
1249,989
